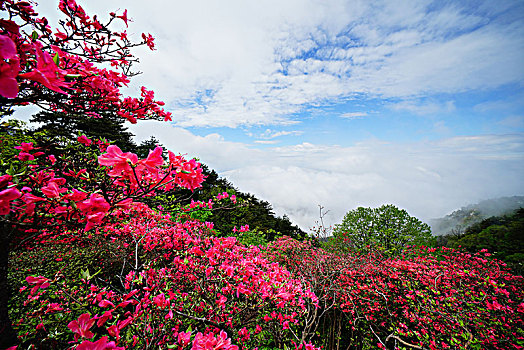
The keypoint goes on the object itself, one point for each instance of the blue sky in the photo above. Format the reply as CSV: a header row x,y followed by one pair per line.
x,y
340,103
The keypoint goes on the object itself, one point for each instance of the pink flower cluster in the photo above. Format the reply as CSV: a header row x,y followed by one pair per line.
x,y
148,174
197,277
133,178
62,61
428,298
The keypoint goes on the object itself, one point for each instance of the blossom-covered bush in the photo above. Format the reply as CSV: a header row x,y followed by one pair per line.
x,y
176,282
95,268
67,69
427,298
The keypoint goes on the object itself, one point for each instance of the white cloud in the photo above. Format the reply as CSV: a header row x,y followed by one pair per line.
x,y
267,142
423,107
258,63
513,121
429,179
354,115
264,61
271,134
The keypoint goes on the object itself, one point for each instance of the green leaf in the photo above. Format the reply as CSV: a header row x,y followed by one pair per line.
x,y
73,76
56,59
84,274
34,35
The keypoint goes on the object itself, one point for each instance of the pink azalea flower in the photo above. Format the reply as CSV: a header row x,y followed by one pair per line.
x,y
4,180
106,303
7,48
209,342
93,220
84,140
76,195
6,197
149,40
124,323
124,17
25,146
100,344
47,72
154,159
24,157
8,70
160,301
125,204
95,209
118,160
81,326
53,190
30,200
114,331
95,204
106,316
39,282
184,338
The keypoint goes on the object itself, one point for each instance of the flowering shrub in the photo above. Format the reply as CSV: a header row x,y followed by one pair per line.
x,y
426,298
175,279
62,69
94,268
82,184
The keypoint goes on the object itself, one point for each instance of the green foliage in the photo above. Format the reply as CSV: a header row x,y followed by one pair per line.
x,y
143,149
12,134
459,220
104,126
503,236
75,258
250,210
388,229
254,237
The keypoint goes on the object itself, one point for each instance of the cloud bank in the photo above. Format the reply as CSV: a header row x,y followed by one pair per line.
x,y
428,178
261,62
277,71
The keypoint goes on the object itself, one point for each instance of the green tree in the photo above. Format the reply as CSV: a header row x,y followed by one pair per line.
x,y
107,125
387,228
256,213
502,236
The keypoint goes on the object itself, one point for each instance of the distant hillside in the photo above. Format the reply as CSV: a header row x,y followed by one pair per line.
x,y
457,222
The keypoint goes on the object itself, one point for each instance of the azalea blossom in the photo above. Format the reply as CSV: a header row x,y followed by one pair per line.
x,y
25,146
149,40
81,326
184,338
53,189
210,342
123,17
8,69
84,140
6,197
119,161
24,157
47,72
30,202
7,48
4,180
39,282
100,344
95,209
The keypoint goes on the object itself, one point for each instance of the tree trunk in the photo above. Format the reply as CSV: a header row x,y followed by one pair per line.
x,y
8,336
